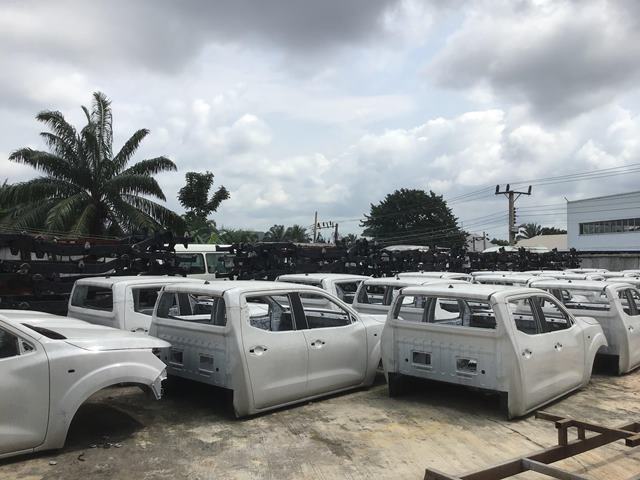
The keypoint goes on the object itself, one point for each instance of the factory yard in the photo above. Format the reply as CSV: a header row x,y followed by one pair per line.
x,y
192,434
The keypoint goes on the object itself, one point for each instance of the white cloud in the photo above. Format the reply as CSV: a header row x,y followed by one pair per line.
x,y
559,58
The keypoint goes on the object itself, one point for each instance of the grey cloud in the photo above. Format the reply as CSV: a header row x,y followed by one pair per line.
x,y
561,59
164,34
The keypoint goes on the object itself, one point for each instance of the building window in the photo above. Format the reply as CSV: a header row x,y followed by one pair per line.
x,y
610,226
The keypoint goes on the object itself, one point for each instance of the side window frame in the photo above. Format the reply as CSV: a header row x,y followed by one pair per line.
x,y
539,312
18,344
534,312
292,310
328,298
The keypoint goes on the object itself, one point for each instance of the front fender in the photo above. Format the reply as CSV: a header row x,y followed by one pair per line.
x,y
598,340
145,371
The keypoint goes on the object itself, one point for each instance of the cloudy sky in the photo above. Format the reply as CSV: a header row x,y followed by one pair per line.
x,y
329,105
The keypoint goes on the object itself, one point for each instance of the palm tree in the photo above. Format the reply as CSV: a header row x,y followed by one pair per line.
x,y
275,234
298,234
529,230
86,189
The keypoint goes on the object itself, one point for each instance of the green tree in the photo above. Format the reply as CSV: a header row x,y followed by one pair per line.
x,y
552,231
529,230
86,188
275,234
415,217
194,197
500,243
297,234
236,235
349,238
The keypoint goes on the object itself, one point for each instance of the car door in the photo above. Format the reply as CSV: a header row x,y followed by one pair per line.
x,y
276,353
337,343
550,348
24,393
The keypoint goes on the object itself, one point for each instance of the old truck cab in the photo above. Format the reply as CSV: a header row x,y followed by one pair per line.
x,y
270,343
120,302
521,343
615,305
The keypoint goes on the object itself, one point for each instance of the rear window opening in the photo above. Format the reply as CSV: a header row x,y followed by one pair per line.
x,y
46,332
93,297
193,307
455,312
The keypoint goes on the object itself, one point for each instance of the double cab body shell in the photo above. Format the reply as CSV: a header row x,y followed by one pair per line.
x,y
50,365
125,302
271,343
519,342
616,306
341,285
446,275
375,295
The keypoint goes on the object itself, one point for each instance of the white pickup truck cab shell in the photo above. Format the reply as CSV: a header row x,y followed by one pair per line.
x,y
50,365
120,302
240,343
341,285
516,280
447,275
204,261
375,295
567,275
619,317
483,347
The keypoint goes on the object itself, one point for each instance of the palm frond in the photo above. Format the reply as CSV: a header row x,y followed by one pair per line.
x,y
60,146
32,215
48,163
101,118
36,190
56,122
164,216
128,149
151,166
85,221
134,185
62,214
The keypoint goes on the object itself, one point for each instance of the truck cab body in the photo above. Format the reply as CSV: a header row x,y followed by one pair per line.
x,y
271,343
375,295
614,305
205,261
518,342
341,285
120,302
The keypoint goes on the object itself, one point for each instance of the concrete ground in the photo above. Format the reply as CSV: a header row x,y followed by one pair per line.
x,y
192,434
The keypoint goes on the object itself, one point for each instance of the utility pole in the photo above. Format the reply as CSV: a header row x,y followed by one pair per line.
x,y
335,235
512,195
315,227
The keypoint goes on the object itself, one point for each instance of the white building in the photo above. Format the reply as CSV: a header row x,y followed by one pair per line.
x,y
610,223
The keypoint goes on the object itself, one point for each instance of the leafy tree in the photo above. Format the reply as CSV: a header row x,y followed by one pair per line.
x,y
552,231
86,188
236,235
275,234
298,234
349,238
413,216
529,230
500,243
194,197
